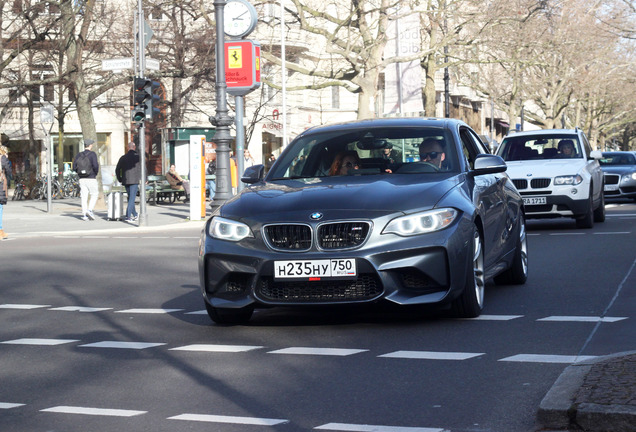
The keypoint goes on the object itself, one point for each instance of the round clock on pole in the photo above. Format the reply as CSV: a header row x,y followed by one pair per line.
x,y
240,18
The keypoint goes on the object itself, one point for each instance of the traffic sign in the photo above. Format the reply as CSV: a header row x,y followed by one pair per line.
x,y
117,64
242,67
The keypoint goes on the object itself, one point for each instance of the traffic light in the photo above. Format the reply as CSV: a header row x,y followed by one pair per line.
x,y
145,100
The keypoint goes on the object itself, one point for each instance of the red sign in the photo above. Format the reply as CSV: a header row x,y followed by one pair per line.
x,y
242,66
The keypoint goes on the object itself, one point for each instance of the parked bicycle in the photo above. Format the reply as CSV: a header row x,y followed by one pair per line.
x,y
40,190
71,187
20,191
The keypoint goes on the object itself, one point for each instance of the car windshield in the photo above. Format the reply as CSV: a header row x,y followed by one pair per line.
x,y
368,151
618,159
544,146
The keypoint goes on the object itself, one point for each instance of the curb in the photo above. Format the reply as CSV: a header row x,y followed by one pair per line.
x,y
560,409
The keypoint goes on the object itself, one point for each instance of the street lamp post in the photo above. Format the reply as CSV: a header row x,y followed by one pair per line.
x,y
222,120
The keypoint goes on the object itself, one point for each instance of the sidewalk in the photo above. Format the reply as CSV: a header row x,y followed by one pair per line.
x,y
598,395
31,218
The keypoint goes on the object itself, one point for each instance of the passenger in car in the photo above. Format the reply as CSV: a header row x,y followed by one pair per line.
x,y
432,151
343,162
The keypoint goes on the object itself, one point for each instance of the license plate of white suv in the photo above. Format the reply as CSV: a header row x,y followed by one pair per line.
x,y
342,267
534,201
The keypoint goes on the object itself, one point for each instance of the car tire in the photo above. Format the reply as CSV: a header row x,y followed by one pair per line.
x,y
587,219
599,213
517,274
471,301
229,315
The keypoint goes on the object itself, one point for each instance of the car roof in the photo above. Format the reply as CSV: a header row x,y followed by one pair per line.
x,y
545,132
394,122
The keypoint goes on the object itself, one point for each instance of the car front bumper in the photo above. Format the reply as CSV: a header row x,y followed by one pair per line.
x,y
425,269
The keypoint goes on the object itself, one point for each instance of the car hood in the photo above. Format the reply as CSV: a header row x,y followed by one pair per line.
x,y
624,169
358,196
544,167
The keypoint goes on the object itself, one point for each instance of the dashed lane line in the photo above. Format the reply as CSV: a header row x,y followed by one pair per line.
x,y
582,319
374,428
22,306
432,355
318,351
546,358
93,411
8,405
216,348
149,311
36,341
254,421
122,345
79,309
493,318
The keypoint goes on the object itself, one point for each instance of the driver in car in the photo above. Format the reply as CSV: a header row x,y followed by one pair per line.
x,y
431,151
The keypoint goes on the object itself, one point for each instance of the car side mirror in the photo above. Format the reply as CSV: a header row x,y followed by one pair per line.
x,y
595,154
488,164
253,174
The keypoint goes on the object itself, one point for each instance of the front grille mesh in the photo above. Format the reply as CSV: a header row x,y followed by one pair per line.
x,y
540,183
342,235
365,287
289,237
611,179
520,183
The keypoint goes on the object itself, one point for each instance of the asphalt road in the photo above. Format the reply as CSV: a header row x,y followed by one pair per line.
x,y
108,333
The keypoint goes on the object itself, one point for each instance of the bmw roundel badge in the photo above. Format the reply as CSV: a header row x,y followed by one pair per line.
x,y
316,216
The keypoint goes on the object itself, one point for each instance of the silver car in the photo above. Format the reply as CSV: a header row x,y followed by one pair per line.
x,y
619,170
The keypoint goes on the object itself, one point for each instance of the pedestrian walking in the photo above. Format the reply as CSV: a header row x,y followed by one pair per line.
x,y
5,174
86,166
128,172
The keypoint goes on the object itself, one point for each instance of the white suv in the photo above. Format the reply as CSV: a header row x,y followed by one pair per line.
x,y
557,174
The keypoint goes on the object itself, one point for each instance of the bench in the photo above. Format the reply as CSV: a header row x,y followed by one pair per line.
x,y
160,191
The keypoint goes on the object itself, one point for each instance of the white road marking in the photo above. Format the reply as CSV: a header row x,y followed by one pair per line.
x,y
229,419
318,351
34,341
95,236
617,232
149,311
123,345
199,312
567,234
79,309
431,355
7,405
546,358
493,318
22,306
94,411
374,428
582,319
216,348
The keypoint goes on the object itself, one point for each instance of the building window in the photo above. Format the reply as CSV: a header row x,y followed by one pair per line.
x,y
335,97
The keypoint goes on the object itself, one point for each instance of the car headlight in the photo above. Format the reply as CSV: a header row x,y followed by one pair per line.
x,y
226,229
568,180
628,177
421,223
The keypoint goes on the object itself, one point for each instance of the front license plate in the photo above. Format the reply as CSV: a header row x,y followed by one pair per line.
x,y
344,267
611,187
534,201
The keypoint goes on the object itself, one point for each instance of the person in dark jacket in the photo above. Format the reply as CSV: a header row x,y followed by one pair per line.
x,y
128,172
88,181
5,172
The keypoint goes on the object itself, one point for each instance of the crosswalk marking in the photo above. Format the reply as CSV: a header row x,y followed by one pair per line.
x,y
229,419
93,411
374,428
582,319
493,318
7,405
35,341
432,355
216,348
318,351
198,312
122,345
22,306
149,311
79,309
546,358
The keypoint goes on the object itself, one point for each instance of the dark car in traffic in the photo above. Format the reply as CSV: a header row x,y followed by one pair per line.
x,y
619,172
336,221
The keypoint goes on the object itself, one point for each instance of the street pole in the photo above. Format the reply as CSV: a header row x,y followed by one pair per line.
x,y
222,120
141,148
446,76
240,139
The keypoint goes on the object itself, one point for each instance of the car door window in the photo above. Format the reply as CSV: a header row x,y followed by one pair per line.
x,y
470,147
